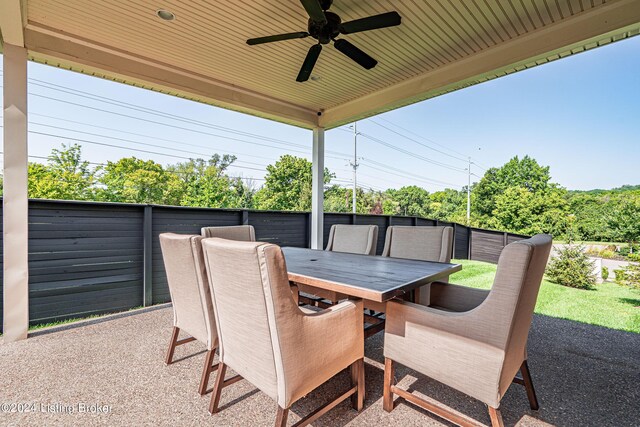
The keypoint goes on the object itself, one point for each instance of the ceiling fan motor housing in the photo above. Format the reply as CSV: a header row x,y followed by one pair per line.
x,y
325,32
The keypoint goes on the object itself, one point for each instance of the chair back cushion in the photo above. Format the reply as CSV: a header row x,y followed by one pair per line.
x,y
188,286
244,233
354,239
421,243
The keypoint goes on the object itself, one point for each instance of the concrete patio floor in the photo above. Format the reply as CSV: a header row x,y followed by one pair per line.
x,y
584,376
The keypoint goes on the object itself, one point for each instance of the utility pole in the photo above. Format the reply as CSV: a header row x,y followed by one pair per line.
x,y
355,165
469,193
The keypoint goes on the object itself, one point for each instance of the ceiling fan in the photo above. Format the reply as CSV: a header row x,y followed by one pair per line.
x,y
325,26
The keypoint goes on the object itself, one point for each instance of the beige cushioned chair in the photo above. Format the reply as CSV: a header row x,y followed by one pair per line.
x,y
472,340
353,239
420,243
245,233
279,348
191,298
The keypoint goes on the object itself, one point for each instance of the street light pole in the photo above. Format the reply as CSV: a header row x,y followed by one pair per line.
x,y
469,193
355,165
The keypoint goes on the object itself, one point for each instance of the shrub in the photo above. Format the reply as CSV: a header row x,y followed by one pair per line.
x,y
572,267
594,251
605,273
606,253
632,248
629,275
634,257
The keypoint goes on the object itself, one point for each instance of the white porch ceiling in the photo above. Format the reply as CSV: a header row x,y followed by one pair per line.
x,y
441,45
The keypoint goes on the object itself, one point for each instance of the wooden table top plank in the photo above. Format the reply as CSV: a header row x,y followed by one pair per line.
x,y
363,276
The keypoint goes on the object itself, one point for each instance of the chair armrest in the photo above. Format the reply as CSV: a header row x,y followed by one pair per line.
x,y
464,324
455,298
340,322
319,345
295,291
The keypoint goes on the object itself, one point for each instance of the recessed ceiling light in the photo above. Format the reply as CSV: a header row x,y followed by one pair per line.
x,y
315,78
165,15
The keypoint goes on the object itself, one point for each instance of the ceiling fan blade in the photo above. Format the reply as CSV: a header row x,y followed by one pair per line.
x,y
356,54
309,63
278,37
314,10
383,20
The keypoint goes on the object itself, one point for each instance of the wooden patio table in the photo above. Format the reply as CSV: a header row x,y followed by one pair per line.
x,y
373,278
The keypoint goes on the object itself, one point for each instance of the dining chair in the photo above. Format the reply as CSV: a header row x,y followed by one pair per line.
x,y
270,341
420,243
469,339
244,233
353,239
190,297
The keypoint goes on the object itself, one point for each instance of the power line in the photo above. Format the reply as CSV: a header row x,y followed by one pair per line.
x,y
422,144
141,143
141,135
122,104
152,121
409,153
417,142
165,139
133,149
147,110
403,174
463,158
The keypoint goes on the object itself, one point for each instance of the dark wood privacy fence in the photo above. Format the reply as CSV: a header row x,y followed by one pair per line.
x,y
91,258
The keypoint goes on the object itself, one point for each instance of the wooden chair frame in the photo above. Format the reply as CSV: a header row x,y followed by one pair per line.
x,y
356,393
209,366
443,411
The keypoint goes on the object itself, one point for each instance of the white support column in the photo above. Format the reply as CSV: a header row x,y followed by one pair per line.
x,y
15,201
317,190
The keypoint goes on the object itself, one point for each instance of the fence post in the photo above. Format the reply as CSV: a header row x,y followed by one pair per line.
x,y
147,258
308,230
455,233
505,238
469,240
415,221
245,217
354,218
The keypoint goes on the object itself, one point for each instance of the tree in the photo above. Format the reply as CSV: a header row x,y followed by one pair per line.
x,y
288,185
519,210
337,199
65,176
132,180
411,201
625,221
206,184
449,205
591,212
525,173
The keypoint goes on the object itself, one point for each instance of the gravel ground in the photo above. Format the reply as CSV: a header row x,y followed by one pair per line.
x,y
584,375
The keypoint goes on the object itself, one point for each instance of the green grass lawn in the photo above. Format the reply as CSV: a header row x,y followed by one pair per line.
x,y
609,304
586,242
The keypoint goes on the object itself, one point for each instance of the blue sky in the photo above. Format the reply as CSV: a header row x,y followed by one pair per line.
x,y
579,115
